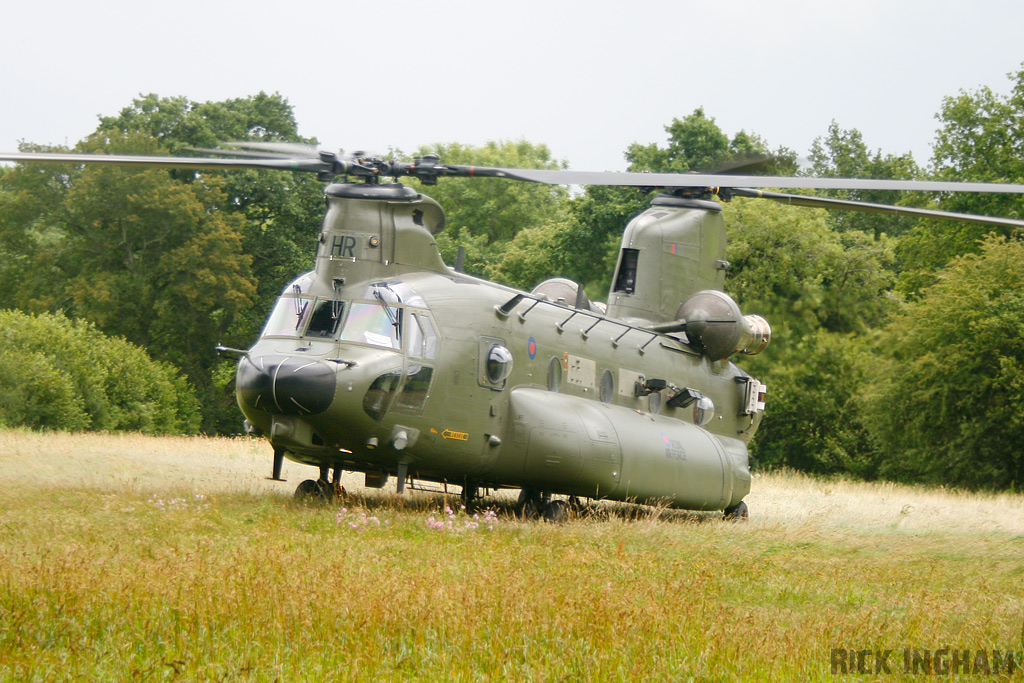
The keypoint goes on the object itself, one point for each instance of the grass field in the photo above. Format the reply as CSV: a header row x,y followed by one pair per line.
x,y
135,558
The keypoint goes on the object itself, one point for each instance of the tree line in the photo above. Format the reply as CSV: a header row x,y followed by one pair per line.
x,y
898,346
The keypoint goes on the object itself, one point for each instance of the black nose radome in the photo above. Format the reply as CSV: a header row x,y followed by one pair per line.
x,y
286,385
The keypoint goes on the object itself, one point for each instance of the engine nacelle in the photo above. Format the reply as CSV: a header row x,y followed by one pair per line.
x,y
713,321
564,291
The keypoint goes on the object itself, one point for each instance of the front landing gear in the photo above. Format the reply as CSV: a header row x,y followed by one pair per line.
x,y
324,490
736,513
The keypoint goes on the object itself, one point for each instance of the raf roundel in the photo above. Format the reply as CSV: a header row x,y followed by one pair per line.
x,y
531,348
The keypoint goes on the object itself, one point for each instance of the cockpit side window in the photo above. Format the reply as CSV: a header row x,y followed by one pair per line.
x,y
421,345
421,336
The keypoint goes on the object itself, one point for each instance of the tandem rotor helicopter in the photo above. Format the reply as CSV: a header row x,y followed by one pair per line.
x,y
384,360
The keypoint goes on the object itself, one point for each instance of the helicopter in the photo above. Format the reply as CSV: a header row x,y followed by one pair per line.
x,y
384,360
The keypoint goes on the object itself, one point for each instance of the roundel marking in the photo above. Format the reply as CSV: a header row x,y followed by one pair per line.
x,y
531,348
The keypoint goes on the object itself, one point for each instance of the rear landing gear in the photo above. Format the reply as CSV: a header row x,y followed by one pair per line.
x,y
535,505
736,513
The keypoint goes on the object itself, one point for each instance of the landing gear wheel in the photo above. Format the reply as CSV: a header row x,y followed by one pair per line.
x,y
325,490
315,491
470,496
557,512
531,504
736,513
307,491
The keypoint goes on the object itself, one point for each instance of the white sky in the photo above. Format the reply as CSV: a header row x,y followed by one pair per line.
x,y
585,78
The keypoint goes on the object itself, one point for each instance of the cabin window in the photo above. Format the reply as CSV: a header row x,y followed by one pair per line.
x,y
499,364
494,363
703,411
420,343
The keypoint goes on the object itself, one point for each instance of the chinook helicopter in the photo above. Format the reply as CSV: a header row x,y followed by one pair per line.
x,y
386,361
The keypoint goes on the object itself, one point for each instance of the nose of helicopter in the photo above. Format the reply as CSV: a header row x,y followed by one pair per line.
x,y
287,385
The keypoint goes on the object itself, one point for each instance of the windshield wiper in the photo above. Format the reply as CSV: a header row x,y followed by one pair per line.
x,y
387,309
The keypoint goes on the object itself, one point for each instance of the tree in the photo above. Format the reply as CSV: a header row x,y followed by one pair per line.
x,y
57,373
786,263
981,139
282,210
696,143
173,260
815,421
485,214
843,154
822,292
946,400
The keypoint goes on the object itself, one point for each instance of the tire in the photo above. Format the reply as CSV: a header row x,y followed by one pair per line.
x,y
307,491
736,513
527,508
557,512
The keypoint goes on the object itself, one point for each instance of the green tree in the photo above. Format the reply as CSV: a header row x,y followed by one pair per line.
x,y
282,210
174,260
945,400
788,264
696,143
822,292
843,154
815,421
485,214
57,373
981,138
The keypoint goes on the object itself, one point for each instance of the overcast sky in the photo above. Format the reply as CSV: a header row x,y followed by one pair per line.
x,y
585,78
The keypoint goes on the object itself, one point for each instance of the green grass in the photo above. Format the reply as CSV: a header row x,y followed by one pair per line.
x,y
129,558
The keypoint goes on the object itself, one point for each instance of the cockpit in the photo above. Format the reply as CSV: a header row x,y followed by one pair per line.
x,y
376,319
388,316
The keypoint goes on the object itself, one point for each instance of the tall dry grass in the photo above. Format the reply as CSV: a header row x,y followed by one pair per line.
x,y
126,558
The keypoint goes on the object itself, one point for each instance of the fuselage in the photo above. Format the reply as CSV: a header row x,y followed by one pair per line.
x,y
385,361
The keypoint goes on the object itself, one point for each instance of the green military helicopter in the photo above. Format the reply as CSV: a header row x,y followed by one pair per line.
x,y
384,360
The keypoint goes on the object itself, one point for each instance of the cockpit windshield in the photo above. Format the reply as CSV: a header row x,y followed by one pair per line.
x,y
323,323
288,317
376,324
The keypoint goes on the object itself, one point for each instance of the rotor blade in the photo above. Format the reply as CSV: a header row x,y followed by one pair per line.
x,y
239,153
697,180
292,149
200,163
826,203
749,164
433,169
